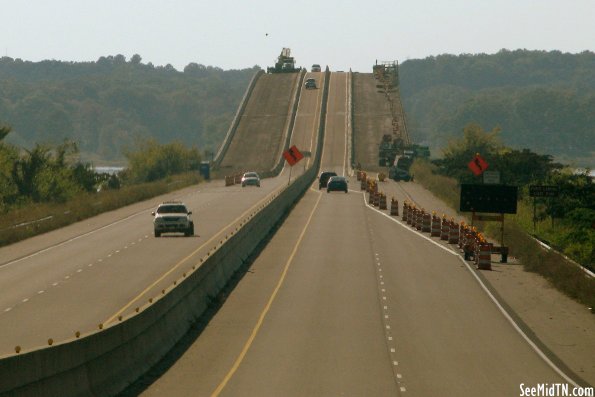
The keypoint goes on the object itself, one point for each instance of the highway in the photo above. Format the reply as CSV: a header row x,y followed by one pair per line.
x,y
345,301
93,272
342,299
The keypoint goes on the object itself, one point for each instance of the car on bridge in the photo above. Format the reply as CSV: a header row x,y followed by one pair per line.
x,y
316,68
324,177
337,183
172,217
310,83
250,179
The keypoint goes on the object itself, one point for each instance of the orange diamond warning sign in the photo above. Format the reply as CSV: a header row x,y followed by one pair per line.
x,y
478,165
293,155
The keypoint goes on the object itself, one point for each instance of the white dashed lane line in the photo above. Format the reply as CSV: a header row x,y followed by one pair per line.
x,y
80,270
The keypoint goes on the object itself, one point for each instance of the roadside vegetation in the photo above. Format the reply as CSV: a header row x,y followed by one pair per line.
x,y
567,223
543,100
46,187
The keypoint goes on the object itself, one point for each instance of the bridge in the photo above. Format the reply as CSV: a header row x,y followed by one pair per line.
x,y
285,289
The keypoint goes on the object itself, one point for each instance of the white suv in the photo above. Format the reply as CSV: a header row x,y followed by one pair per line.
x,y
172,217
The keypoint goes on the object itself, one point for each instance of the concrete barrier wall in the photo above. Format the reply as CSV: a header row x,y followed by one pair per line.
x,y
106,362
236,120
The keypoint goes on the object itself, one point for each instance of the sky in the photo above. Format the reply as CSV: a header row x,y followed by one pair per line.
x,y
239,34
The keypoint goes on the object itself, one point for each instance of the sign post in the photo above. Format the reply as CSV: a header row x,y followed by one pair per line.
x,y
494,199
292,156
536,191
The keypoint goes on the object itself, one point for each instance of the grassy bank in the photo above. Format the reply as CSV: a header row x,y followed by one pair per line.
x,y
560,272
35,219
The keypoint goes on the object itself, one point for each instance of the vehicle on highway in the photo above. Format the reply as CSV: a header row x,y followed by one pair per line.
x,y
316,68
336,183
310,83
172,217
250,179
324,177
399,174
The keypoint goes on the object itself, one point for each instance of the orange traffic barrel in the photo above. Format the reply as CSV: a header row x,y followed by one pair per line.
x,y
453,235
445,229
484,256
382,201
394,207
426,225
436,229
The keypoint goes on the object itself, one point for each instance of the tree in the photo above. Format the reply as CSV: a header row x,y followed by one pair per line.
x,y
136,59
459,152
153,161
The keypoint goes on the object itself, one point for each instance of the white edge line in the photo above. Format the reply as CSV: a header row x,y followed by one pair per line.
x,y
535,348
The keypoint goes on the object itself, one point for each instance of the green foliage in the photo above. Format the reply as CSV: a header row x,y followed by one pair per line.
x,y
107,105
152,161
460,152
8,157
541,100
515,167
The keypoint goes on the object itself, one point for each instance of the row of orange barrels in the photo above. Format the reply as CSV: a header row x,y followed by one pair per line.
x,y
233,179
472,243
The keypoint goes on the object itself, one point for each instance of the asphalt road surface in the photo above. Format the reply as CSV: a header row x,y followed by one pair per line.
x,y
345,301
95,271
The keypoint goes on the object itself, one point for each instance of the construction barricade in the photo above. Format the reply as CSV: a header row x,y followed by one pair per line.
x,y
483,255
394,207
420,219
445,229
426,225
462,232
229,180
238,179
453,234
436,229
382,201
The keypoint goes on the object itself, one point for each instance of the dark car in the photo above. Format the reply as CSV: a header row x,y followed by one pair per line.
x,y
310,84
337,183
399,174
324,177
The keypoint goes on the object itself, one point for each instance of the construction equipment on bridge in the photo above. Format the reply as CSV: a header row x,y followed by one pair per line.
x,y
395,149
285,63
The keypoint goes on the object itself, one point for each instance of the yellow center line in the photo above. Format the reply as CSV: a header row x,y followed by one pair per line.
x,y
216,235
266,309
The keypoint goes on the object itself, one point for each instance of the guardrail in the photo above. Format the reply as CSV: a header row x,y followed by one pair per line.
x,y
107,361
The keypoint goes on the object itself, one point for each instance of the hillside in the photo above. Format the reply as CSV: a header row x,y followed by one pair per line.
x,y
108,105
544,101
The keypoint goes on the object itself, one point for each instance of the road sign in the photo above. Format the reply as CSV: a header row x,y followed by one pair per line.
x,y
498,199
491,177
478,165
544,191
293,155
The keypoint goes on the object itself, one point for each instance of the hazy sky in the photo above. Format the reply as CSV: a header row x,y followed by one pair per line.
x,y
338,33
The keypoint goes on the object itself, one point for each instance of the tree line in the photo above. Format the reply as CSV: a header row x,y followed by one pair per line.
x,y
541,100
108,105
